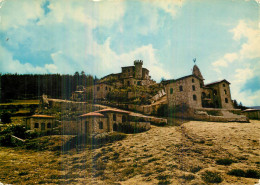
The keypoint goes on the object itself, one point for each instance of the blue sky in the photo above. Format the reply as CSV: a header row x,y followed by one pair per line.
x,y
101,36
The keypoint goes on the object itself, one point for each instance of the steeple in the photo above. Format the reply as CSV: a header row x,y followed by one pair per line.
x,y
196,70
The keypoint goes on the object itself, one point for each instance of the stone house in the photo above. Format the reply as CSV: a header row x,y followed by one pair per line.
x,y
40,122
107,120
191,91
101,90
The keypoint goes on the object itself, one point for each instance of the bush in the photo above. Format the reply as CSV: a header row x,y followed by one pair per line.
x,y
241,173
129,129
6,117
211,177
161,124
225,161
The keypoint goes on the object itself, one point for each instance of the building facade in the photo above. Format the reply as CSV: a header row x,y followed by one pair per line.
x,y
191,91
40,122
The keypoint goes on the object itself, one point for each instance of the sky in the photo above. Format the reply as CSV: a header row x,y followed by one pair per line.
x,y
101,36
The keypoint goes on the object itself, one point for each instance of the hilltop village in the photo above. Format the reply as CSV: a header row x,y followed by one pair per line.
x,y
132,99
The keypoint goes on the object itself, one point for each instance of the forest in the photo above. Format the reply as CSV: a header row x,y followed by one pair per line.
x,y
31,86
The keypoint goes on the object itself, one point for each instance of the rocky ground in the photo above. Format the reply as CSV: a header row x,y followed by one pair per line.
x,y
163,155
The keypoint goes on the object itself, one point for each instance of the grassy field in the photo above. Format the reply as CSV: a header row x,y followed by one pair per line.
x,y
193,153
21,102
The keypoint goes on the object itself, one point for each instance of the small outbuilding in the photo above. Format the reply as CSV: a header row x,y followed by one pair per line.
x,y
40,122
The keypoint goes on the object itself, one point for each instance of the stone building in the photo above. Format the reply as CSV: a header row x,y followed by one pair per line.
x,y
107,120
131,75
191,91
101,90
40,122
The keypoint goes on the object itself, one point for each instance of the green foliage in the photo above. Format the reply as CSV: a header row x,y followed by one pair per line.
x,y
211,177
161,124
248,173
214,113
188,177
31,86
162,111
127,128
225,161
6,117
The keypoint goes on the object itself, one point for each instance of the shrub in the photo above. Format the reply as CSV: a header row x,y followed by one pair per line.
x,y
241,173
214,113
195,169
225,161
252,174
237,173
6,117
188,177
211,177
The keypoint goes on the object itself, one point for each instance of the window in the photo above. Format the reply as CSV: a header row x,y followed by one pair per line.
x,y
98,88
100,124
114,127
109,88
201,85
225,91
106,88
124,119
114,117
224,85
48,125
192,80
171,90
226,100
203,94
194,97
215,92
36,125
42,126
181,89
86,126
193,88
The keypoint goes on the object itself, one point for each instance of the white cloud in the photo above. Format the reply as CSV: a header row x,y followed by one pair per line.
x,y
244,68
110,61
250,49
11,65
88,12
15,13
225,61
169,6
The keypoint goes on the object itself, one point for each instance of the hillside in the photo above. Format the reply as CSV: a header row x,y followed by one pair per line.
x,y
162,155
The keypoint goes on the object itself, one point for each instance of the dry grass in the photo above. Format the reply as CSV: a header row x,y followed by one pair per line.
x,y
162,155
21,102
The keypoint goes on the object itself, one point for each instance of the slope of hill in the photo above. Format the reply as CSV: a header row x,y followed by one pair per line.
x,y
162,155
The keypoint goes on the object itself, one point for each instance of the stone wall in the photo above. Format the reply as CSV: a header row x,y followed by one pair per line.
x,y
42,124
101,90
252,114
141,125
178,96
91,125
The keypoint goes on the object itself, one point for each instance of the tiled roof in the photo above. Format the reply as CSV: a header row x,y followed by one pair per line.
x,y
41,116
113,110
93,114
217,82
174,80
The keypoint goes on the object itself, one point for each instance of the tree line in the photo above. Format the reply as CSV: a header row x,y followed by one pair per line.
x,y
31,86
